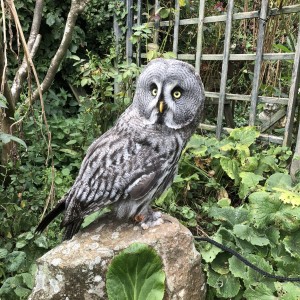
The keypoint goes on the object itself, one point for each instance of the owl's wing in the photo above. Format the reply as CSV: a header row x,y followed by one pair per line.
x,y
115,169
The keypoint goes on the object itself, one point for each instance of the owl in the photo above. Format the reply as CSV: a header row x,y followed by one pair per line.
x,y
136,160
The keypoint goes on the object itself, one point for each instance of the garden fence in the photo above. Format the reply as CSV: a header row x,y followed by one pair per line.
x,y
262,16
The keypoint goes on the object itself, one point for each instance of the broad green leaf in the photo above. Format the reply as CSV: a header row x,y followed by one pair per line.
x,y
14,260
263,208
254,276
227,286
231,167
9,284
292,244
248,183
229,215
41,242
208,251
287,290
3,253
22,292
28,279
136,274
267,208
6,138
220,264
260,291
278,180
245,232
245,135
237,267
288,197
249,164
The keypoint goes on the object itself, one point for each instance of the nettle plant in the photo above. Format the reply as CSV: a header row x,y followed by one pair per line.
x,y
240,193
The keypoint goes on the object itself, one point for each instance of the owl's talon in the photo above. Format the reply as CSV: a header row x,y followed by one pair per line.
x,y
154,219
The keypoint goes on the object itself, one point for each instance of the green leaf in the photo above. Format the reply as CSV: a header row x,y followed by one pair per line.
x,y
208,251
3,253
22,292
229,215
3,101
249,182
71,142
245,232
278,180
287,290
41,242
231,167
227,286
136,274
292,244
6,138
28,279
237,267
245,135
260,291
14,260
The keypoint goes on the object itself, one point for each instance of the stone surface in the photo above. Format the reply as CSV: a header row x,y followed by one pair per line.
x,y
76,269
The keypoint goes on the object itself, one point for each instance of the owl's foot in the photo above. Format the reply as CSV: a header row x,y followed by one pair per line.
x,y
154,218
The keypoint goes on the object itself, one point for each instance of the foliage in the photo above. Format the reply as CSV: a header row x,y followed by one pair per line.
x,y
236,190
136,274
255,210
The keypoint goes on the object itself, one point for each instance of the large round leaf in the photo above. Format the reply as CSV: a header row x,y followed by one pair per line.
x,y
136,274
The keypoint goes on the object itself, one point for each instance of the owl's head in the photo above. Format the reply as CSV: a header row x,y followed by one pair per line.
x,y
169,92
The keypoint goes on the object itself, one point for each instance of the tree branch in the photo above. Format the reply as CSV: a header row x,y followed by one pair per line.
x,y
77,7
32,45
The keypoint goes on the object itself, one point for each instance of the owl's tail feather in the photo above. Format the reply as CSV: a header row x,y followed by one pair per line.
x,y
58,209
72,229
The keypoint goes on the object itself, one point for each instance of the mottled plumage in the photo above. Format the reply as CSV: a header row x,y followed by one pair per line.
x,y
136,160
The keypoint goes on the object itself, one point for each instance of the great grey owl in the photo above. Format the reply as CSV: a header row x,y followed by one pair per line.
x,y
136,160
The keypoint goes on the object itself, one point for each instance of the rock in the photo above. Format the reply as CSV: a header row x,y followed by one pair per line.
x,y
76,269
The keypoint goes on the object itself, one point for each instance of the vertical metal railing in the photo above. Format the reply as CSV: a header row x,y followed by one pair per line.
x,y
224,68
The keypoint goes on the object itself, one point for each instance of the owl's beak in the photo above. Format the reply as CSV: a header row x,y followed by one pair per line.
x,y
161,106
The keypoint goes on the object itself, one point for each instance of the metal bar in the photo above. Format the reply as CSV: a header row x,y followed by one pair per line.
x,y
224,67
238,97
129,20
236,16
259,55
200,35
237,57
290,114
264,137
156,23
139,21
176,27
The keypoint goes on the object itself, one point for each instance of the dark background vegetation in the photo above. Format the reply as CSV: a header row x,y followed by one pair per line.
x,y
237,190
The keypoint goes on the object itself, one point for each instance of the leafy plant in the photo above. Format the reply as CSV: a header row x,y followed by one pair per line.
x,y
247,202
136,274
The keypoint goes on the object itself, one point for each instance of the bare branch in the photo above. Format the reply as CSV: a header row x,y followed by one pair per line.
x,y
77,7
32,45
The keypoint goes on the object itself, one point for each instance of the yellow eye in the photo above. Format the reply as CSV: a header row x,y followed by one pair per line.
x,y
176,94
154,92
